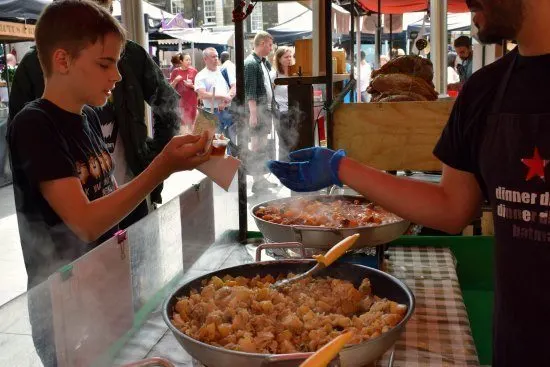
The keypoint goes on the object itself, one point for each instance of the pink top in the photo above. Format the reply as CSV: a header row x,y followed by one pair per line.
x,y
188,95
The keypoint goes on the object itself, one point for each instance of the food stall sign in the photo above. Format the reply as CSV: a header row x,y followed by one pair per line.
x,y
16,31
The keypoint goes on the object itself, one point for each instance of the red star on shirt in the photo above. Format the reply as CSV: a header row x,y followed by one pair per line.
x,y
536,165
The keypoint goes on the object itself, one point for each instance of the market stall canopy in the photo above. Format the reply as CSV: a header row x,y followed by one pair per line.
x,y
300,27
22,9
455,22
294,29
201,36
402,6
148,9
31,9
409,6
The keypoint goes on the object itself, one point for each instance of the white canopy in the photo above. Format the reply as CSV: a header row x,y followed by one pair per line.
x,y
200,35
149,9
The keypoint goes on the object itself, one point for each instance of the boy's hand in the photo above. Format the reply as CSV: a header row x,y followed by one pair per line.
x,y
184,152
309,169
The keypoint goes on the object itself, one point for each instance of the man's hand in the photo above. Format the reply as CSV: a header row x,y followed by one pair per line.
x,y
309,169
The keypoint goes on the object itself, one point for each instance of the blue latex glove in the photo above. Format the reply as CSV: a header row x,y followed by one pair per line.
x,y
309,169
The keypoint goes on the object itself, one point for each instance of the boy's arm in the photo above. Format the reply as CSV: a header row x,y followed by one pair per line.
x,y
90,219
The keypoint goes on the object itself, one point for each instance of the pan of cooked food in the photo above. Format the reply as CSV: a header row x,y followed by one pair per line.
x,y
235,317
322,220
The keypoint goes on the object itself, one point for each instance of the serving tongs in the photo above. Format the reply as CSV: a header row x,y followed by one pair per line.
x,y
323,261
328,352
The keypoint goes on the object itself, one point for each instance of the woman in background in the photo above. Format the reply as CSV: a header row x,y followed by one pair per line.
x,y
285,126
182,79
453,79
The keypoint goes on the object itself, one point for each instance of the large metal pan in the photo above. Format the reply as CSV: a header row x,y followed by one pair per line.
x,y
324,237
384,285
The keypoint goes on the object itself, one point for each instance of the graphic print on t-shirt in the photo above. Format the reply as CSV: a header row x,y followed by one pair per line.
x,y
528,210
536,166
108,126
107,130
96,175
83,172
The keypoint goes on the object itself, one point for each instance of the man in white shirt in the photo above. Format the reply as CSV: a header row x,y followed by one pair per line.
x,y
364,81
211,86
214,90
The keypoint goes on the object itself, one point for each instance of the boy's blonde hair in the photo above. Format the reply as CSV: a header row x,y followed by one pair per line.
x,y
72,25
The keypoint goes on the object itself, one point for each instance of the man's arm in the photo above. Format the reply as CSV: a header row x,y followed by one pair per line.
x,y
90,219
252,107
448,206
207,96
251,92
162,98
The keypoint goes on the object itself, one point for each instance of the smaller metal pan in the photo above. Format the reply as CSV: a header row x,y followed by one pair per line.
x,y
324,237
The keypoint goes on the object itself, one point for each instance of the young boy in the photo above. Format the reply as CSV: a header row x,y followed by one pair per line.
x,y
66,195
67,198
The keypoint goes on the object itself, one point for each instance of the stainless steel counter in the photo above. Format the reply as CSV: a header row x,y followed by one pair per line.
x,y
94,303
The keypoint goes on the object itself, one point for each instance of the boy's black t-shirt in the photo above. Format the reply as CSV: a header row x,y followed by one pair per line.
x,y
48,143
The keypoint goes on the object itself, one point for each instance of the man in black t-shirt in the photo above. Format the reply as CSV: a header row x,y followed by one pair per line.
x,y
495,146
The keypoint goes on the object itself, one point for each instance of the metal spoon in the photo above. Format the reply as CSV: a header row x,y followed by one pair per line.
x,y
322,260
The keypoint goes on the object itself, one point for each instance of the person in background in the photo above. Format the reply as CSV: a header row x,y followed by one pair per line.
x,y
366,72
463,48
384,60
11,60
453,79
227,64
5,175
122,118
259,98
68,200
182,79
175,61
285,125
215,92
396,52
